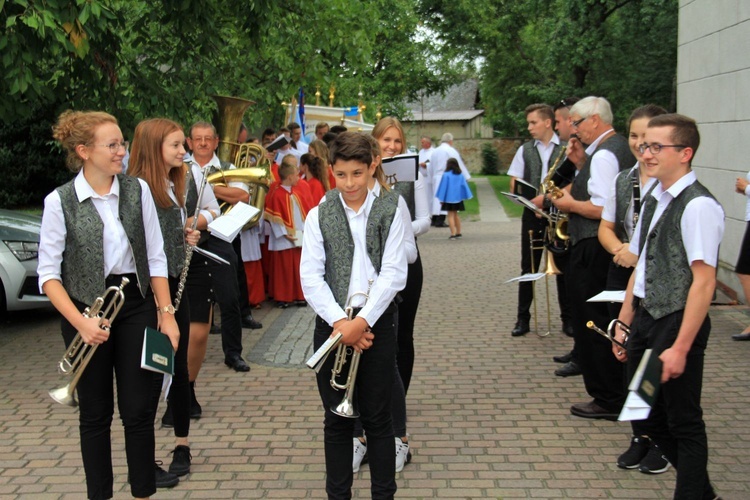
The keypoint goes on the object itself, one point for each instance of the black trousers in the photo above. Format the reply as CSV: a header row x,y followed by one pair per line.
x,y
241,276
603,375
407,313
676,419
529,222
121,355
227,294
179,392
372,395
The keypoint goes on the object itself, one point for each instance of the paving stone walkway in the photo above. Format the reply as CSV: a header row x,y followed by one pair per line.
x,y
487,417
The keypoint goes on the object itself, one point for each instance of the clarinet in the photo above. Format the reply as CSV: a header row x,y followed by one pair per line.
x,y
636,196
189,248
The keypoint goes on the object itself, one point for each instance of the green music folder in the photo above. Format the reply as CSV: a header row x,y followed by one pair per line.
x,y
157,354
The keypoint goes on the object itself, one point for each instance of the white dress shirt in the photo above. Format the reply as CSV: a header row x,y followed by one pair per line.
x,y
386,285
518,165
604,167
702,226
118,256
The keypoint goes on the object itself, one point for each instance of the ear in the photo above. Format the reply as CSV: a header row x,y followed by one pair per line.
x,y
687,155
82,152
374,165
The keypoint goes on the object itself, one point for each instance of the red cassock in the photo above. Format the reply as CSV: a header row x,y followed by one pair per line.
x,y
284,278
317,190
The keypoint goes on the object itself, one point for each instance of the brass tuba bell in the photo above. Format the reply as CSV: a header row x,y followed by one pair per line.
x,y
253,168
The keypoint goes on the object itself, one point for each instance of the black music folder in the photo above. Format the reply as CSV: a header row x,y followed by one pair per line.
x,y
523,188
278,143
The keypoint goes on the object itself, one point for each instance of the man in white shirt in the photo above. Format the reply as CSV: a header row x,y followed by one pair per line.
x,y
295,133
668,297
435,170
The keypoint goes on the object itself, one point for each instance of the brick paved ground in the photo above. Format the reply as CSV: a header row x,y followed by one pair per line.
x,y
487,417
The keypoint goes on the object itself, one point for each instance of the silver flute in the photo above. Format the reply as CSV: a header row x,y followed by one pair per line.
x,y
189,248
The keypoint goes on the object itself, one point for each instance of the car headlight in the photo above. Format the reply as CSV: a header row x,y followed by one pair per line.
x,y
24,250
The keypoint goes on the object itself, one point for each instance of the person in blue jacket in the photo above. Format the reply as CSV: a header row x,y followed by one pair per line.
x,y
452,192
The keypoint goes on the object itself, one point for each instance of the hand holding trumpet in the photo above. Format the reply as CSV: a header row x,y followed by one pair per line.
x,y
355,332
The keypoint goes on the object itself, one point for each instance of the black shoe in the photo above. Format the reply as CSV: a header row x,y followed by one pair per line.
x,y
181,458
741,336
249,322
521,328
564,359
300,303
195,408
567,329
237,364
282,305
442,224
215,330
592,410
654,462
569,369
167,421
631,459
164,479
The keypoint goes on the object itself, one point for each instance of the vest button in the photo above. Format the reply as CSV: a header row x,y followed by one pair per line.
x,y
649,281
650,257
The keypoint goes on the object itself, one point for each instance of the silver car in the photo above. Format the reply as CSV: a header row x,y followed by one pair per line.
x,y
19,250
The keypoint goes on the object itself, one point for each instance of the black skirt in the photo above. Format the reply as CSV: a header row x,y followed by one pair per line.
x,y
453,207
743,261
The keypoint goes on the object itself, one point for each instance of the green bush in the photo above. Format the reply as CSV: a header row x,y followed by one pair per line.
x,y
490,159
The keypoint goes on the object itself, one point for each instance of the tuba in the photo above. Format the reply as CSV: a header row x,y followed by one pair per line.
x,y
253,168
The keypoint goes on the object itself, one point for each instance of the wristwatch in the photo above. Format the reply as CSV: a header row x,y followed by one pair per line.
x,y
167,309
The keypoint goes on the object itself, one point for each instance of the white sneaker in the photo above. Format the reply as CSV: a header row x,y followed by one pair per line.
x,y
403,456
360,450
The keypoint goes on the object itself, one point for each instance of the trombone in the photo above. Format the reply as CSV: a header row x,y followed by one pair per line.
x,y
346,408
549,269
77,357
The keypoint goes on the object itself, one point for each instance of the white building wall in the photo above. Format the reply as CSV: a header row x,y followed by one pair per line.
x,y
713,87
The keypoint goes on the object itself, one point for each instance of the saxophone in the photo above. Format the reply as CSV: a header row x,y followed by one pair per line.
x,y
558,228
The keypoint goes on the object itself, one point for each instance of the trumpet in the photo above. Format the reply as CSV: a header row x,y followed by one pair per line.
x,y
79,354
346,408
611,334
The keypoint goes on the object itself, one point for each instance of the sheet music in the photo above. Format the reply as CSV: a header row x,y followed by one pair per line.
x,y
527,277
229,225
401,168
609,296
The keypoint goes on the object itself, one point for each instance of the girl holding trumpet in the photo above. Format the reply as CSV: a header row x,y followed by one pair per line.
x,y
157,158
97,229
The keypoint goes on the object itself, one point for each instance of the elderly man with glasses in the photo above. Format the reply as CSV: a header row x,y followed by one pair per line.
x,y
607,154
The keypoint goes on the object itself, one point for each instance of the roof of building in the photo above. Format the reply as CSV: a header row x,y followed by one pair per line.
x,y
444,116
458,97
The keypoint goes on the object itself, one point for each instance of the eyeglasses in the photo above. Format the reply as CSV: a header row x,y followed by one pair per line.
x,y
207,138
656,148
114,147
578,122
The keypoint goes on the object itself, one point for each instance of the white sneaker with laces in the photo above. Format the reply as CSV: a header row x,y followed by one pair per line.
x,y
360,450
403,456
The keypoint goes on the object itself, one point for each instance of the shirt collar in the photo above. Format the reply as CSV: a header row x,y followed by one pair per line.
x,y
676,188
214,161
365,208
84,190
590,150
554,140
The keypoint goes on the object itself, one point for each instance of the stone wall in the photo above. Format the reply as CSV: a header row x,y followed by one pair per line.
x,y
471,151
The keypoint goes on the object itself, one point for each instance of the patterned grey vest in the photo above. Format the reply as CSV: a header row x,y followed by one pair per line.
x,y
406,190
191,201
580,227
668,274
623,199
170,221
83,257
339,244
532,161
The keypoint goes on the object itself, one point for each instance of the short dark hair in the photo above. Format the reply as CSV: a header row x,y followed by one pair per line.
x,y
350,146
293,126
646,111
328,137
452,166
337,129
684,130
544,110
268,131
566,102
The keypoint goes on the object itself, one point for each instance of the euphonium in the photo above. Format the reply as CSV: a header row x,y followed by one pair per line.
x,y
77,357
346,407
253,168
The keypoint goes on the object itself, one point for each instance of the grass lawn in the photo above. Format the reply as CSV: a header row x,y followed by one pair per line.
x,y
499,184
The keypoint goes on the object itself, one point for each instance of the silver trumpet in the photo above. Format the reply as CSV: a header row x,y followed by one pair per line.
x,y
346,408
611,333
77,357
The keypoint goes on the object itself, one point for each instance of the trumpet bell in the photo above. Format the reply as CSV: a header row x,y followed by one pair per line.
x,y
346,409
64,395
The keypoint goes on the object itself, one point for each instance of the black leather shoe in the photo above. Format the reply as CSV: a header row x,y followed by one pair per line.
x,y
592,410
741,336
565,358
249,322
567,329
521,328
237,364
569,369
